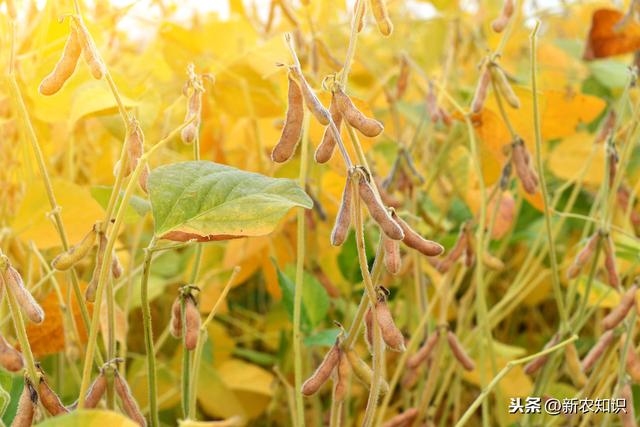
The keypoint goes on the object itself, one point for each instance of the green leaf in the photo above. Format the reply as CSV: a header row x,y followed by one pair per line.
x,y
257,357
136,208
315,301
85,418
208,201
611,74
325,338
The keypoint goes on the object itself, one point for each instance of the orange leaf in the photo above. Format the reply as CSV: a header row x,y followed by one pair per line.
x,y
609,36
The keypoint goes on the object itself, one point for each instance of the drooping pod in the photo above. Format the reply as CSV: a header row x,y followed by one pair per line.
x,y
365,125
343,219
363,372
311,100
392,259
387,198
328,144
15,285
26,406
459,249
143,179
74,254
583,256
610,262
192,322
65,67
341,378
50,399
597,350
194,113
424,352
482,89
380,12
368,328
402,419
135,145
89,50
500,23
459,352
391,335
116,266
410,378
627,414
90,292
10,358
175,327
504,87
632,363
403,77
492,262
416,241
129,404
377,210
522,164
573,365
323,372
96,391
617,315
363,5
537,363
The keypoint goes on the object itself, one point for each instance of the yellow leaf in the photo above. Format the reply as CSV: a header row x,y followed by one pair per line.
x,y
577,156
95,98
80,211
89,418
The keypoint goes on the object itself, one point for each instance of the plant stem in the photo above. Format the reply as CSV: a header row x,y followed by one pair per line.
x,y
297,302
483,395
148,334
555,277
202,338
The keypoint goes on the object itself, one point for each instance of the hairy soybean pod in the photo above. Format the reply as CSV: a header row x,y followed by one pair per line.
x,y
194,111
524,170
500,23
292,129
402,419
10,358
610,263
192,323
311,100
90,293
633,364
363,4
392,259
627,414
143,179
89,50
96,391
65,67
481,91
135,145
129,404
363,372
68,259
537,363
416,241
391,335
424,352
597,350
322,374
459,353
378,212
176,318
343,219
50,399
368,328
618,314
341,378
504,87
328,144
403,77
26,406
116,266
573,365
583,256
25,300
367,126
380,12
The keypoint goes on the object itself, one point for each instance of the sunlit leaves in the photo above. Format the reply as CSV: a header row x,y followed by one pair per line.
x,y
209,201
